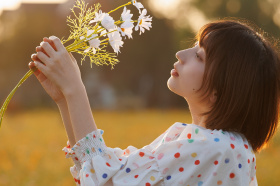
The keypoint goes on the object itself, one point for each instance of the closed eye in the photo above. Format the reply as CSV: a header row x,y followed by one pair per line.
x,y
198,57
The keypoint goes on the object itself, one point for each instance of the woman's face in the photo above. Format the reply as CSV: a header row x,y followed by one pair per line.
x,y
187,75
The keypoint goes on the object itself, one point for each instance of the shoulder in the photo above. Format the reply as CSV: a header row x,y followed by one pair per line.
x,y
191,134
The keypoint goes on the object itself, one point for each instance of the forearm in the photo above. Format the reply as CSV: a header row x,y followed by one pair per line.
x,y
80,112
64,112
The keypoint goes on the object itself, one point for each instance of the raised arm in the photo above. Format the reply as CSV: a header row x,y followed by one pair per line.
x,y
63,71
55,94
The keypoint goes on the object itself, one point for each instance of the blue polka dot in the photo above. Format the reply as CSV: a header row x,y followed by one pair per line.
x,y
217,139
226,160
200,183
184,124
128,170
101,131
100,150
104,175
168,177
239,165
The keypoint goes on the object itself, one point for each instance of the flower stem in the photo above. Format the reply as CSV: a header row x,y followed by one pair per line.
x,y
5,104
119,7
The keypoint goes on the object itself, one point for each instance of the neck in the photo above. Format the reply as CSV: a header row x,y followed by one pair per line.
x,y
196,117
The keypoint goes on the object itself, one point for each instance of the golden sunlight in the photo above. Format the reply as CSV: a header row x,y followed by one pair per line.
x,y
14,4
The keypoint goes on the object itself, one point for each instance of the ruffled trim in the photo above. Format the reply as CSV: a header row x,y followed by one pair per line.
x,y
86,148
69,153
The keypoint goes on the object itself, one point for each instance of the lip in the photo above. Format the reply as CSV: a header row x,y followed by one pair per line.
x,y
174,72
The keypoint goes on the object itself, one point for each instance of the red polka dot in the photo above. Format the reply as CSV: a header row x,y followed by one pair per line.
x,y
253,159
216,162
65,153
197,162
120,159
181,169
148,184
79,182
199,176
255,167
136,176
87,175
141,154
108,164
246,146
232,146
177,155
94,136
189,135
232,175
248,160
76,158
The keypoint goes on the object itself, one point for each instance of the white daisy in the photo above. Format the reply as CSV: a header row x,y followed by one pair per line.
x,y
126,15
106,20
126,29
115,41
144,22
93,42
127,26
98,17
137,5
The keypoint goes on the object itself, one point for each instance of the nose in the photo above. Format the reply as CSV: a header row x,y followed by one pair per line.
x,y
178,56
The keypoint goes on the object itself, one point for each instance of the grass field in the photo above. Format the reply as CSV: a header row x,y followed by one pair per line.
x,y
31,143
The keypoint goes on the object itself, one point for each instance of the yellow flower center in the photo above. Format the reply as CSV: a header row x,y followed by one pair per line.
x,y
140,22
123,29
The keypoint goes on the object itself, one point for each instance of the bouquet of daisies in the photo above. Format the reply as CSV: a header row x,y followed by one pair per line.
x,y
92,31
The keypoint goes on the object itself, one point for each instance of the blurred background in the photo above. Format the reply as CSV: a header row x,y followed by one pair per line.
x,y
134,93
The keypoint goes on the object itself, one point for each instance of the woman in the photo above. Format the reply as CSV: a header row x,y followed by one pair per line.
x,y
231,81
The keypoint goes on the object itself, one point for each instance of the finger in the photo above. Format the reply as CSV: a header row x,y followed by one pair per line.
x,y
40,66
57,43
43,57
50,42
48,48
39,75
40,49
32,66
35,58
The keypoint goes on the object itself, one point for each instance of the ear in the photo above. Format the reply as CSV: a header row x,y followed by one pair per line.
x,y
213,97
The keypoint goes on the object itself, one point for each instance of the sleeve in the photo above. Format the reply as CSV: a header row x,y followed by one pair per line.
x,y
183,155
96,164
254,182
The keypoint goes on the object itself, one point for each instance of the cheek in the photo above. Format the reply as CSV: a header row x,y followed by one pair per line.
x,y
191,78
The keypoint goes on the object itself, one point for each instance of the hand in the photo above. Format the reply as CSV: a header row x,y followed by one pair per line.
x,y
58,66
49,87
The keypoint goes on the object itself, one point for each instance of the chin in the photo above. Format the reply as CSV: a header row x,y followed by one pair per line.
x,y
171,85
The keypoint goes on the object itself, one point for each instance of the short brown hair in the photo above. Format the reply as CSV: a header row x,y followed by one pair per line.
x,y
243,67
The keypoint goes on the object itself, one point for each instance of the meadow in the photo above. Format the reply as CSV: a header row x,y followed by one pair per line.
x,y
31,143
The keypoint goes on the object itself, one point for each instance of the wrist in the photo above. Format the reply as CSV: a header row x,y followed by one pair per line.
x,y
74,91
61,103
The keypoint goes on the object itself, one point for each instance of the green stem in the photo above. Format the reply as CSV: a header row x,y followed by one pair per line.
x,y
119,7
5,104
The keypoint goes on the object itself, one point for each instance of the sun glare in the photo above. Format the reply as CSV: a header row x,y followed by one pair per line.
x,y
14,4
